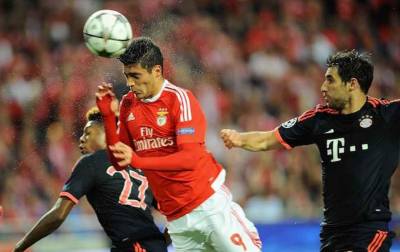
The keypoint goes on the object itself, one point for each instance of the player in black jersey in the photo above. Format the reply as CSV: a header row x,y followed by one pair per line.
x,y
121,199
358,140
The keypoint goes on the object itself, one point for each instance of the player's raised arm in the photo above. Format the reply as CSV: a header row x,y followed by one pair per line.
x,y
49,222
106,100
108,106
251,141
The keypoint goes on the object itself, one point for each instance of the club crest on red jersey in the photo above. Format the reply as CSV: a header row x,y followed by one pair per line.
x,y
162,116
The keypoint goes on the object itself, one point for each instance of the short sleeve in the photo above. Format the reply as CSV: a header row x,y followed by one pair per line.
x,y
190,120
296,132
391,113
81,180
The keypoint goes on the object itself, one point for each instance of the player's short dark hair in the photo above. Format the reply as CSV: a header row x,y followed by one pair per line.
x,y
143,51
93,114
352,64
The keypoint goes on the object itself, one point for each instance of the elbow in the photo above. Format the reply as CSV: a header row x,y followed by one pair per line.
x,y
56,222
265,144
59,218
191,161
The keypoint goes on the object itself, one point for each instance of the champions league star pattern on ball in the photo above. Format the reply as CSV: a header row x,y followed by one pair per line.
x,y
107,33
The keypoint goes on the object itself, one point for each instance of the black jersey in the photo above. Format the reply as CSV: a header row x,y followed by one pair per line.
x,y
121,199
359,153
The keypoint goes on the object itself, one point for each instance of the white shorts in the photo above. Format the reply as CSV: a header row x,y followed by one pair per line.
x,y
218,224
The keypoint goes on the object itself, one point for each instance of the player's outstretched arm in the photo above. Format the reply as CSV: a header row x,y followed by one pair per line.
x,y
251,141
49,222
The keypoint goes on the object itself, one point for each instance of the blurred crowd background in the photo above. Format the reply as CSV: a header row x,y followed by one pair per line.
x,y
252,64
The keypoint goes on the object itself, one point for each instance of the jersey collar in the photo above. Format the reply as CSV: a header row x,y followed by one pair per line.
x,y
157,96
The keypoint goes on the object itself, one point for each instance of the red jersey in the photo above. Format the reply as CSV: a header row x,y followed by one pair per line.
x,y
158,127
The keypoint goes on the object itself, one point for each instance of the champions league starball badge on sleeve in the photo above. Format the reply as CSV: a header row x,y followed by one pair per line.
x,y
289,123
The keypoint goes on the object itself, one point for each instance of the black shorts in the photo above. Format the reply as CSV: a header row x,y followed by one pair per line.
x,y
148,245
365,237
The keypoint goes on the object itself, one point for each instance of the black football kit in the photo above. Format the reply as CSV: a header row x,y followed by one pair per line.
x,y
121,201
359,154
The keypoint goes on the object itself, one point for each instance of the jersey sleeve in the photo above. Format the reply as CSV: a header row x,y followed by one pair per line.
x,y
190,119
391,112
117,131
122,130
297,131
80,182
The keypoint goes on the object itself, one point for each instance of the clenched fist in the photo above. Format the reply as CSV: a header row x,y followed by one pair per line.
x,y
106,100
231,138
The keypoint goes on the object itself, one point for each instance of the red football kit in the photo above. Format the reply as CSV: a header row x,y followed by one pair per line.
x,y
167,133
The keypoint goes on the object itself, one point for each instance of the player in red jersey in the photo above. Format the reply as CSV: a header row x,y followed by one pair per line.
x,y
162,131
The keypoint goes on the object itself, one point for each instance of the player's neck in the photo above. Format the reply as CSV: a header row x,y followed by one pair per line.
x,y
158,86
355,104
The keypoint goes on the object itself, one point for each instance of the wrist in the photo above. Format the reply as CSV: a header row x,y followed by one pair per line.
x,y
108,114
240,142
135,160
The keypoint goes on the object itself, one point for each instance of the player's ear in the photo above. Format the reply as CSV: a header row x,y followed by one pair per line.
x,y
157,70
353,84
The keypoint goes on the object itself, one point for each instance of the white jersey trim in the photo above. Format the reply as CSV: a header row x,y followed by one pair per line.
x,y
219,181
184,102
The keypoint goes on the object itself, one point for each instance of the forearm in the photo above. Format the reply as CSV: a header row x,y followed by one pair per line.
x,y
46,225
110,128
185,159
112,137
257,140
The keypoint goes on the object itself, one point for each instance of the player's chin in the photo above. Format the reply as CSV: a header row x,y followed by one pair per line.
x,y
325,101
140,96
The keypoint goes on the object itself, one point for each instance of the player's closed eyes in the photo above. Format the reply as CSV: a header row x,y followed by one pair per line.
x,y
134,76
329,79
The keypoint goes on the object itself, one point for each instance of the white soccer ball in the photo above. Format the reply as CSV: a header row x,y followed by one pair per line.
x,y
107,33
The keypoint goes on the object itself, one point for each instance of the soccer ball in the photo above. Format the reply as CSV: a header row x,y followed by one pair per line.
x,y
107,33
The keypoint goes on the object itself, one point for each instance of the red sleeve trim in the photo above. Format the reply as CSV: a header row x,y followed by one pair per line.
x,y
280,139
375,102
318,109
69,196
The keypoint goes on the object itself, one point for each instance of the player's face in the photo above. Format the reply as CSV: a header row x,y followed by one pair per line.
x,y
334,91
141,82
93,138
